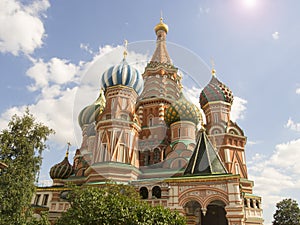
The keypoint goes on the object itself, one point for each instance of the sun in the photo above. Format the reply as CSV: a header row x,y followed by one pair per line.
x,y
250,3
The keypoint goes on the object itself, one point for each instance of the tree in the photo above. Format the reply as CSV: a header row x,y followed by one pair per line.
x,y
114,204
287,213
21,147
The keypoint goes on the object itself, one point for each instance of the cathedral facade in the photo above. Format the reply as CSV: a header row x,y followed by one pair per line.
x,y
143,132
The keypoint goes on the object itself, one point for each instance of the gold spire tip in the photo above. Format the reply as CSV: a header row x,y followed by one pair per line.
x,y
213,71
125,48
67,152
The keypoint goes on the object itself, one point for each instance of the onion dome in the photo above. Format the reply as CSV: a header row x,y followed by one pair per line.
x,y
89,114
62,170
182,110
214,91
123,74
161,26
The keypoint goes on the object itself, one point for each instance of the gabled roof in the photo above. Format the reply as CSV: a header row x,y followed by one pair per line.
x,y
205,160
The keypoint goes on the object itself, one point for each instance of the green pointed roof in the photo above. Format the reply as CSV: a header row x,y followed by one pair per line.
x,y
205,160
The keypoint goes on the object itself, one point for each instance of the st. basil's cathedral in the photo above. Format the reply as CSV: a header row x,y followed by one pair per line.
x,y
143,132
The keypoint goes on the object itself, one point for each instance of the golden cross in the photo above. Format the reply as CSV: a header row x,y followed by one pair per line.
x,y
125,48
67,153
213,71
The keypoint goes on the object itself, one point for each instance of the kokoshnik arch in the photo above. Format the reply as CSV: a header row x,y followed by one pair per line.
x,y
142,131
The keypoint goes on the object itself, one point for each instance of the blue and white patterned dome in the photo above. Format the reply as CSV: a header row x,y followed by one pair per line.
x,y
123,74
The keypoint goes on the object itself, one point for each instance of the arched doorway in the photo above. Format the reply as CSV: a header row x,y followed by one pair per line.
x,y
193,213
215,214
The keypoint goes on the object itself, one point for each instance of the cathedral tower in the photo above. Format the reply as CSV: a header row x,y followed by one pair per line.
x,y
115,152
161,88
216,100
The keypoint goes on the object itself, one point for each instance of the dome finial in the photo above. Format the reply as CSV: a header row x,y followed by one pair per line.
x,y
67,152
213,71
125,48
161,25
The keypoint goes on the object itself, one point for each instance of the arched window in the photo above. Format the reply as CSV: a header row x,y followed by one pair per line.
x,y
144,193
216,118
124,103
146,158
156,156
150,121
257,204
156,192
124,117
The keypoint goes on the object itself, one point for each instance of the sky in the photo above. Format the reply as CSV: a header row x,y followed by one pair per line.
x,y
52,54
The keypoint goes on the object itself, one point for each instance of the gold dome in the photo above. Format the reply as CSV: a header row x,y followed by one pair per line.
x,y
161,26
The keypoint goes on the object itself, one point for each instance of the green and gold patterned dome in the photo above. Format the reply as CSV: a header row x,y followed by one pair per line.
x,y
182,110
89,114
62,170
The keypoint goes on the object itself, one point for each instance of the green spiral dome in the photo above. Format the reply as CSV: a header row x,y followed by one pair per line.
x,y
182,110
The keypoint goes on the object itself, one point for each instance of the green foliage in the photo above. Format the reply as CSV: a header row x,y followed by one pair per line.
x,y
113,204
21,146
287,213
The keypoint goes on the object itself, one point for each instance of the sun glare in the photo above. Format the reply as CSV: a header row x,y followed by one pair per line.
x,y
250,3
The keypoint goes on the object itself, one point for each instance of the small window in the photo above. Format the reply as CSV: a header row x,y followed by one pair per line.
x,y
45,199
151,122
179,132
124,117
37,199
146,158
156,192
156,156
108,116
124,103
144,193
216,118
257,204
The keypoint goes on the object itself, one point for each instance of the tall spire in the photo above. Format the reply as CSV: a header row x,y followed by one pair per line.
x,y
161,54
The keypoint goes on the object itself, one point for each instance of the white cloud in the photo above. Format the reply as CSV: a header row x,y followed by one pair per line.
x,y
87,48
64,88
276,176
56,71
275,35
287,156
292,125
253,142
238,108
204,10
298,91
21,27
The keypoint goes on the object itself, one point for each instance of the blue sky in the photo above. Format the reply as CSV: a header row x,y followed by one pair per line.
x,y
47,51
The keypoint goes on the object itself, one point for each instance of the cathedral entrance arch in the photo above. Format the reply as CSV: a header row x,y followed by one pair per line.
x,y
215,214
193,212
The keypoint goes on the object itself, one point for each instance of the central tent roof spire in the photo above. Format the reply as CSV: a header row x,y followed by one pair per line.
x,y
161,54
